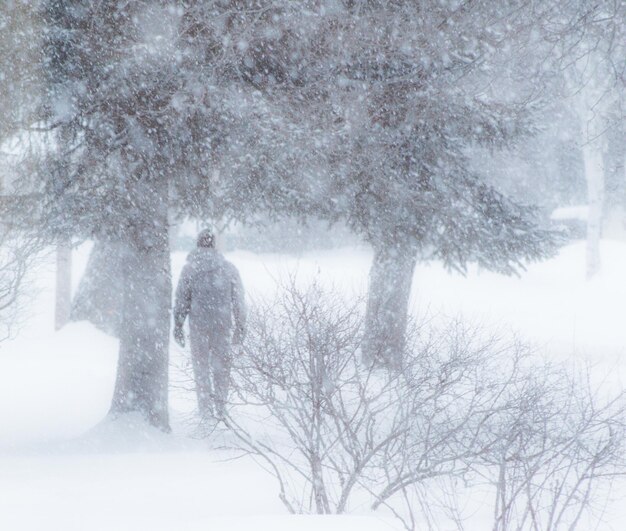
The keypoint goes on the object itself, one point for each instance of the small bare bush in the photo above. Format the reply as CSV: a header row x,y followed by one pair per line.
x,y
559,446
18,251
466,407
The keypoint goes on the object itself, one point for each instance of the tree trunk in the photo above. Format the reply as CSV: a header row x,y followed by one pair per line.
x,y
63,296
594,174
594,103
142,371
386,316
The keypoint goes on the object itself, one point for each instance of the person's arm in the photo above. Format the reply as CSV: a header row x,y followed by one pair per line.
x,y
182,304
239,308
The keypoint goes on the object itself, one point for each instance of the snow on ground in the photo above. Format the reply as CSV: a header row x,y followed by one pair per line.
x,y
63,467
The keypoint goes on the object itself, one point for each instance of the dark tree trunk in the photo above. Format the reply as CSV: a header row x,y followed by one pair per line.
x,y
63,302
142,372
386,316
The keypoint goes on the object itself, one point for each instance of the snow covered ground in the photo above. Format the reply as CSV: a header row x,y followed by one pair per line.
x,y
63,467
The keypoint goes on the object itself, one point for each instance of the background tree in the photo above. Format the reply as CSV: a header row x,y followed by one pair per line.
x,y
20,75
20,82
588,46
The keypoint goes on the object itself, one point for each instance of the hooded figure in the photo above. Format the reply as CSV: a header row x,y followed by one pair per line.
x,y
211,293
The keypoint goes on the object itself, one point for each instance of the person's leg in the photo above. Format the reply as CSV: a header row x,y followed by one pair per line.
x,y
220,364
202,375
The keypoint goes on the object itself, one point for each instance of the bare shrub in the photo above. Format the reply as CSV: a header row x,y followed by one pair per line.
x,y
559,447
18,250
466,408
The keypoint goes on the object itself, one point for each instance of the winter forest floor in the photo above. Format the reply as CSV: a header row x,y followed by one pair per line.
x,y
62,467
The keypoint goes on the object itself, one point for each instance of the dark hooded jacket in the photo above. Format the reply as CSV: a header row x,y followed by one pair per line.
x,y
211,294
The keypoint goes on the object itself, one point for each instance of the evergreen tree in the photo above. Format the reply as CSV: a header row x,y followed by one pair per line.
x,y
117,102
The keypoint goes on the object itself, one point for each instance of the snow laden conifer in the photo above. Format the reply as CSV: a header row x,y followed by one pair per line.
x,y
421,83
121,102
112,81
397,93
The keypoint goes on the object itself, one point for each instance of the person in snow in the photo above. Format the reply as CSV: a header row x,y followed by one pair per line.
x,y
211,294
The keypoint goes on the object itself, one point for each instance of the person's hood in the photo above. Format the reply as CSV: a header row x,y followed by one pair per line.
x,y
205,259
